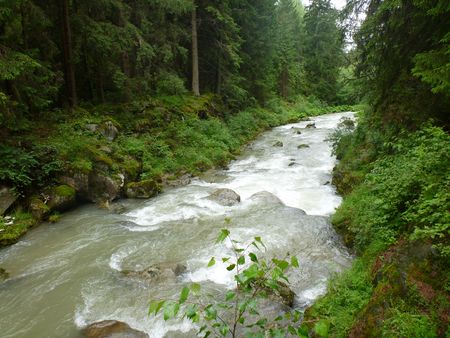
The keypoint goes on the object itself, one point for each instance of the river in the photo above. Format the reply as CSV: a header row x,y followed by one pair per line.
x,y
67,275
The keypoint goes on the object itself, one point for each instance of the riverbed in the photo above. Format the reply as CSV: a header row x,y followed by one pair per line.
x,y
66,275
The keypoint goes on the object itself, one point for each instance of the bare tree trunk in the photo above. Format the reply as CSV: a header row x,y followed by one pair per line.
x,y
69,71
195,76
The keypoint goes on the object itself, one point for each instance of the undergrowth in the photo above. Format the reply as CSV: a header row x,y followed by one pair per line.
x,y
395,217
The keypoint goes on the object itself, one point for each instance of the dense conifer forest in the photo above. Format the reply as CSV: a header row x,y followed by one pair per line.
x,y
123,98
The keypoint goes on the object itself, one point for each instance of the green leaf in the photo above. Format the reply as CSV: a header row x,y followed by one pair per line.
x,y
211,262
292,330
154,307
241,260
303,332
171,310
231,267
225,259
258,239
322,327
191,311
184,295
224,329
282,264
294,262
210,312
253,257
229,296
195,288
224,233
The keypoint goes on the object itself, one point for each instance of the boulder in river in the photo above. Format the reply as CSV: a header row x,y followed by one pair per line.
x,y
302,146
112,329
311,126
159,272
266,198
143,189
225,197
278,144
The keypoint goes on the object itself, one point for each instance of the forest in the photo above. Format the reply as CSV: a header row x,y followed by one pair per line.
x,y
106,99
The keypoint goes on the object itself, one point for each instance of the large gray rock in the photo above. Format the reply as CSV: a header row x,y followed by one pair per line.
x,y
311,126
7,198
103,188
112,329
266,197
226,197
96,186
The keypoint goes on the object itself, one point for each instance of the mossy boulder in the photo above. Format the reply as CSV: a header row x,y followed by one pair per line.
x,y
112,329
142,189
302,146
7,198
61,197
38,207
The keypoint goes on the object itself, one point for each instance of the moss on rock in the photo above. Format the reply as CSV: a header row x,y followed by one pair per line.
x,y
143,189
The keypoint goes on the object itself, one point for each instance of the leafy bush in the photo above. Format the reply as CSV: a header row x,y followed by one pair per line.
x,y
170,84
406,191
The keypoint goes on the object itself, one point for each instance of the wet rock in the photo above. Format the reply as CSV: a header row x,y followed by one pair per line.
x,y
296,130
109,130
7,198
118,208
226,197
311,126
299,132
38,207
143,189
178,181
112,329
327,183
159,272
103,188
278,144
292,164
266,198
302,146
4,275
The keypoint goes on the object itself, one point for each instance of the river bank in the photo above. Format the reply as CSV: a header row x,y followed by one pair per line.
x,y
100,154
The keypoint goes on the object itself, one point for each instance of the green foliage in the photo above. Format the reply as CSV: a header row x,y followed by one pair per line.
x,y
238,313
404,192
347,296
407,324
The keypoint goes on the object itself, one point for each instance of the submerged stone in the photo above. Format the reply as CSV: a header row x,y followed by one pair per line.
x,y
278,144
112,329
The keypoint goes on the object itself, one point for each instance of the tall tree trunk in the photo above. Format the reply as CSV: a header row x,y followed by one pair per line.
x,y
69,72
195,76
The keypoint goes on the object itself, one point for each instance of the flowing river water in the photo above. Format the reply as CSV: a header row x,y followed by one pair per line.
x,y
66,275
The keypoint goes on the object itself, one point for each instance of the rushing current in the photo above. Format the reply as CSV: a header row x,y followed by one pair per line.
x,y
67,275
